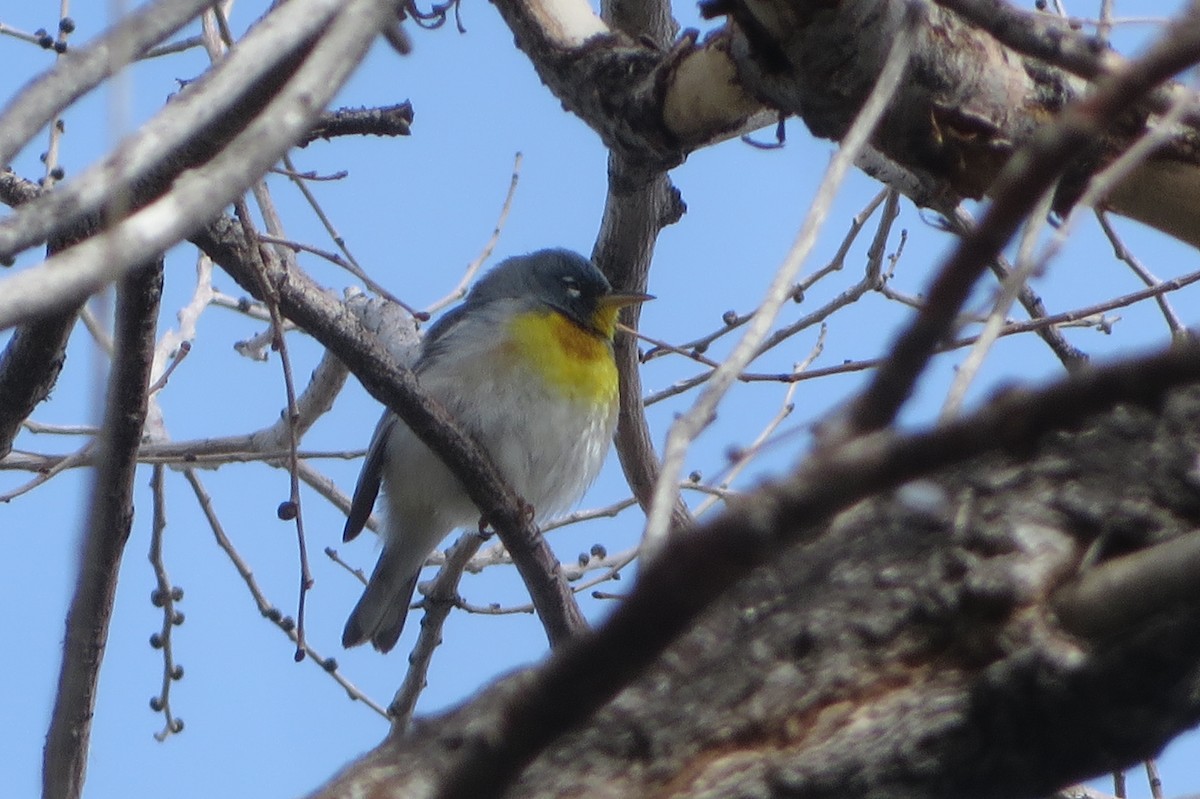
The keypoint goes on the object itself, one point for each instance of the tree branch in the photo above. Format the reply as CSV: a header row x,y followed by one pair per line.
x,y
438,601
640,203
970,104
82,69
34,356
393,120
109,518
650,103
283,117
29,368
1015,194
331,323
1119,596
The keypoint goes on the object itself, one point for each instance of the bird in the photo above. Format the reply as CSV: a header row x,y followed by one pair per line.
x,y
525,365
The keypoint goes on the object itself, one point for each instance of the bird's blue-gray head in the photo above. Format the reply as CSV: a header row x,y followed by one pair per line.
x,y
558,278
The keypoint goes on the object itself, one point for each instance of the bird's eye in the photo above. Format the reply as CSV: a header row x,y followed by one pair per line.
x,y
572,290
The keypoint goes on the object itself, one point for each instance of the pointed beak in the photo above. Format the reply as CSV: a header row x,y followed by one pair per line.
x,y
619,299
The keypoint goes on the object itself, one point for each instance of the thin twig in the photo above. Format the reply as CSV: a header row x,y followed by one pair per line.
x,y
460,291
80,458
1122,253
333,555
265,607
165,595
60,429
745,455
731,320
171,48
310,175
96,329
292,509
439,600
350,263
1069,355
181,352
1153,778
1026,266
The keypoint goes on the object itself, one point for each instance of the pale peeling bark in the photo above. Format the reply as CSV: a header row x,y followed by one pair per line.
x,y
968,105
966,101
650,105
910,649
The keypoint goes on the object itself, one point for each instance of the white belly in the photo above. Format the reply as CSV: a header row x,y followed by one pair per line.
x,y
548,447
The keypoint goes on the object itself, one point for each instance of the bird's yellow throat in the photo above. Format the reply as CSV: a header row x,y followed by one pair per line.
x,y
578,362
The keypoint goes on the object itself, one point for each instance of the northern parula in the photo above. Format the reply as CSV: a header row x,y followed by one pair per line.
x,y
525,364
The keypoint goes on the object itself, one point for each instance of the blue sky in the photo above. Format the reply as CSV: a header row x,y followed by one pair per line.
x,y
415,211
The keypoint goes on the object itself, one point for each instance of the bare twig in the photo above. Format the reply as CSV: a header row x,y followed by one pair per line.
x,y
333,555
165,595
48,471
292,509
1122,253
392,120
269,611
731,320
440,599
1010,288
1069,355
460,291
350,263
1152,777
744,455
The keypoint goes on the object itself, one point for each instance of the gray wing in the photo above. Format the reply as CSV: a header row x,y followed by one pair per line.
x,y
438,335
367,487
369,479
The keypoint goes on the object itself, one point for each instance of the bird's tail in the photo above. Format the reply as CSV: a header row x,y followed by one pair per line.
x,y
380,614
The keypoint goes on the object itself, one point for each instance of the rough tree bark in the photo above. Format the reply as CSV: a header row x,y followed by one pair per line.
x,y
912,647
969,102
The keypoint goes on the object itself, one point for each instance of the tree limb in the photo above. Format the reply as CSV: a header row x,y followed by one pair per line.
x,y
109,519
283,117
1016,192
971,102
82,69
650,101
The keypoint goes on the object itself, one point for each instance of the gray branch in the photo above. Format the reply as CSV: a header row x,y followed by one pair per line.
x,y
110,516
